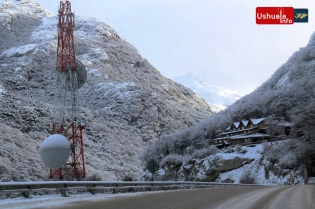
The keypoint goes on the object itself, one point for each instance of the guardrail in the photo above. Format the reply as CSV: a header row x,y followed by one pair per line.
x,y
27,187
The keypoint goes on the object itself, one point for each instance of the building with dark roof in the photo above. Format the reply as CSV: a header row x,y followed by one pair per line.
x,y
245,132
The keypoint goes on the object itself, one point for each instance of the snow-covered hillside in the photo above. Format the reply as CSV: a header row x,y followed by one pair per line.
x,y
260,169
288,97
249,165
24,7
10,8
217,97
125,101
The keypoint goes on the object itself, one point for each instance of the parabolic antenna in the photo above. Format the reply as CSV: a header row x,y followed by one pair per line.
x,y
81,73
81,77
55,151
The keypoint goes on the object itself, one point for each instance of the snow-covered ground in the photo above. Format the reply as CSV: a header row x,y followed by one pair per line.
x,y
121,91
257,169
283,80
19,51
17,6
47,31
238,164
51,201
251,152
2,90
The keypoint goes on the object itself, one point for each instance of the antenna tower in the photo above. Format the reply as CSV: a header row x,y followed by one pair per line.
x,y
70,76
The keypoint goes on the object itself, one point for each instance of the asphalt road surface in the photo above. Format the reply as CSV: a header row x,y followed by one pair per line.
x,y
278,197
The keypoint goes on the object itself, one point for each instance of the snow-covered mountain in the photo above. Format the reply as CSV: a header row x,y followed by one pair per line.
x,y
217,97
16,7
288,97
125,101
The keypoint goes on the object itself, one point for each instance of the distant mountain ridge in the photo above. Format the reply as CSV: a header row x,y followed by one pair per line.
x,y
217,97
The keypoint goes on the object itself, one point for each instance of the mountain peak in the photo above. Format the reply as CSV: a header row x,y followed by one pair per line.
x,y
217,97
27,7
191,77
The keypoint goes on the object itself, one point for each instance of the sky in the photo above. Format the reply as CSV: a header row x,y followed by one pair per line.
x,y
217,40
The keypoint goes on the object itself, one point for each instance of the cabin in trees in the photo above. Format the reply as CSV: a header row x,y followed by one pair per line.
x,y
244,132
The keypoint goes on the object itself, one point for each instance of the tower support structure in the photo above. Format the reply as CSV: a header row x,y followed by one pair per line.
x,y
66,121
75,166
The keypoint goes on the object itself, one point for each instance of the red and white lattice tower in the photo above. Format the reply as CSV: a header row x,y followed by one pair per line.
x,y
66,121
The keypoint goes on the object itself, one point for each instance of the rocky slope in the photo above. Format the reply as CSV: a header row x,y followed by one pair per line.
x,y
233,165
125,102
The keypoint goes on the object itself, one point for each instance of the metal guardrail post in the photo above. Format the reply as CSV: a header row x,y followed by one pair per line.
x,y
26,194
92,191
63,192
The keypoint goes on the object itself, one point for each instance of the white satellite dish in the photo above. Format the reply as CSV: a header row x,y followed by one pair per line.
x,y
55,151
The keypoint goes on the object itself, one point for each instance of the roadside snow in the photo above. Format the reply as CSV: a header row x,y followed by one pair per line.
x,y
251,152
257,169
55,201
253,167
47,201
